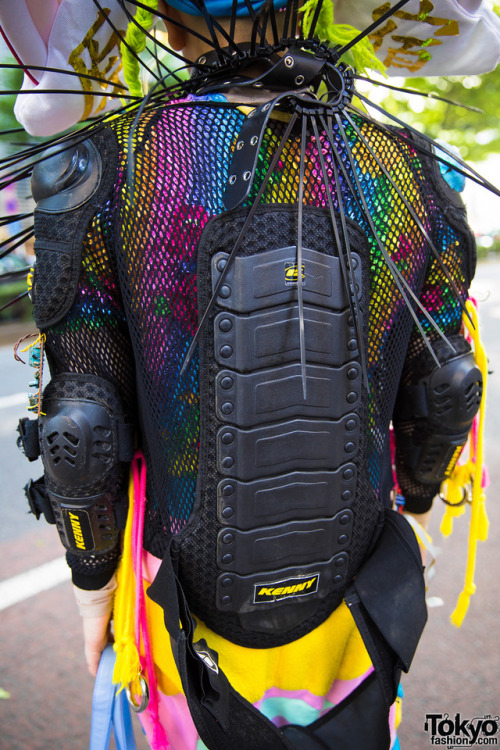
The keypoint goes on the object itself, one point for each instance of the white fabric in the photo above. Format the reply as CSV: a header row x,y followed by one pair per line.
x,y
424,38
472,47
46,114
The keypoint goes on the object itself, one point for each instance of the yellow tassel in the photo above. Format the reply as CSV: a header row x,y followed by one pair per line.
x,y
478,530
458,615
127,665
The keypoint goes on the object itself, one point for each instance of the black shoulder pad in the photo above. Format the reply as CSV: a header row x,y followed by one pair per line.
x,y
70,187
68,178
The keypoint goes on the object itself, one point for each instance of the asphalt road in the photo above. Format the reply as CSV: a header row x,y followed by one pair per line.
x,y
45,693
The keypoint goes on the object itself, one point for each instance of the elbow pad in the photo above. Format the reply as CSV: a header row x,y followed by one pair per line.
x,y
84,443
433,417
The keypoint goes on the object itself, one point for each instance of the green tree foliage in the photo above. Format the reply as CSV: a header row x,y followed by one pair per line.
x,y
477,134
10,80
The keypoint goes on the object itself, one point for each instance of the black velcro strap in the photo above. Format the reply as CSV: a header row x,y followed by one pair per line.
x,y
360,721
38,500
387,601
223,718
28,441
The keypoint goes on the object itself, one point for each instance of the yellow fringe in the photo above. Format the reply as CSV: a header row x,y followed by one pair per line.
x,y
127,665
468,477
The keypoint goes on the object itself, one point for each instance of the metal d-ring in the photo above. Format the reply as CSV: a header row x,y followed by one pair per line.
x,y
139,707
465,499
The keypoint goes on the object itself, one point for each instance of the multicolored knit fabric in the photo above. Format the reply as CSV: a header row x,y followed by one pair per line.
x,y
139,273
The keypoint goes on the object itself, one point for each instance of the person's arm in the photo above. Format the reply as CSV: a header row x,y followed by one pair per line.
x,y
88,408
440,392
95,608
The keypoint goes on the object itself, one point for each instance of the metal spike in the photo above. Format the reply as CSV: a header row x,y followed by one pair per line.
x,y
48,69
366,32
13,301
300,290
416,92
412,213
346,268
314,21
401,283
470,173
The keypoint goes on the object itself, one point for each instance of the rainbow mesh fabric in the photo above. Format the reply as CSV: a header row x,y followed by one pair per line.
x,y
135,312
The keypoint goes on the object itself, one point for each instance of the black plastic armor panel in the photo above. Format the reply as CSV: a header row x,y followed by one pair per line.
x,y
84,440
269,279
301,444
271,338
286,497
282,420
270,429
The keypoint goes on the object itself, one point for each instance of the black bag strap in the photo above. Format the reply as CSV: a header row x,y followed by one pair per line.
x,y
387,602
223,718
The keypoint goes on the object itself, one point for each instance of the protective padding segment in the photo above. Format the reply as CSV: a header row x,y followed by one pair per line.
x,y
270,278
289,497
445,402
303,542
67,179
275,590
271,338
83,440
300,444
267,395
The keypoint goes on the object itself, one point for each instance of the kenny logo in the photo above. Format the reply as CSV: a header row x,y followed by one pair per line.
x,y
292,273
77,524
279,590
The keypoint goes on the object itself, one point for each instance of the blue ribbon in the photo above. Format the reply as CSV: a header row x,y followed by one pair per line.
x,y
110,709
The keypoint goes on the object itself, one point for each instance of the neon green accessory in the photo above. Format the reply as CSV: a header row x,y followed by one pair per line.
x,y
135,39
466,481
360,57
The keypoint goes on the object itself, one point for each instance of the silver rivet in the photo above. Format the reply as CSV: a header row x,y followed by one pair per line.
x,y
299,80
232,179
253,140
258,85
251,114
202,60
247,175
240,145
289,62
266,107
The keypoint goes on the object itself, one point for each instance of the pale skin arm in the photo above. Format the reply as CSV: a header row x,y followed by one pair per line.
x,y
96,635
96,610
